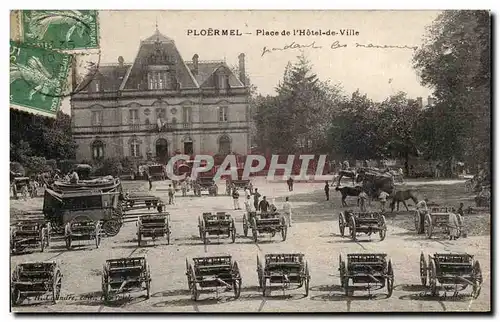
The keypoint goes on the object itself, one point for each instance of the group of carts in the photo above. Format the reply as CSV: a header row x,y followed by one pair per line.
x,y
280,271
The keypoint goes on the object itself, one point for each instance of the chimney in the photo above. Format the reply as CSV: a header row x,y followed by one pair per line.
x,y
120,61
430,101
241,67
420,102
195,64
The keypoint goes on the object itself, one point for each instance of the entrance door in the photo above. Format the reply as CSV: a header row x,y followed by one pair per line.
x,y
162,150
188,148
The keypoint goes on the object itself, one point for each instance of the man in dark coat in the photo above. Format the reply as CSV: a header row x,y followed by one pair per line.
x,y
327,191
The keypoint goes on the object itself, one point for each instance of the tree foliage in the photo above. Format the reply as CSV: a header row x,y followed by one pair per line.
x,y
36,136
455,62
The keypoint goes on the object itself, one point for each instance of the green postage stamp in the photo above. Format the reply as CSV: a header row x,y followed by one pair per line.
x,y
38,78
60,29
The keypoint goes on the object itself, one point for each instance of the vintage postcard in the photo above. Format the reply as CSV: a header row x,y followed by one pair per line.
x,y
250,161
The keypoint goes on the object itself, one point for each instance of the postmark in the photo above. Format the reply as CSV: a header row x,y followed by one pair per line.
x,y
68,30
38,78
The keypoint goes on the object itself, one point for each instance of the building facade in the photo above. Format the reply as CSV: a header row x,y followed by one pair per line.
x,y
160,105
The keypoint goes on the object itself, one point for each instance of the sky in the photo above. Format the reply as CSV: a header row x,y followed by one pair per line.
x,y
377,72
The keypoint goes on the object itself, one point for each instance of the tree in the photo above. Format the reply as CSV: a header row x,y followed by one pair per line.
x,y
455,62
32,135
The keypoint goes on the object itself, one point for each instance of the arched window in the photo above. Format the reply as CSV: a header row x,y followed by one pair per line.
x,y
135,148
224,145
97,150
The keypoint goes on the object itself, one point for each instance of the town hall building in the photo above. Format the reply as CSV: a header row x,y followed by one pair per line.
x,y
160,105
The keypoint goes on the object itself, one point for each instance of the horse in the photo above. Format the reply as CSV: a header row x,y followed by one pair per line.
x,y
347,173
402,196
348,191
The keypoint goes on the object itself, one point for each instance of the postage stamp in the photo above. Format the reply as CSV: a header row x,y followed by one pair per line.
x,y
37,78
60,29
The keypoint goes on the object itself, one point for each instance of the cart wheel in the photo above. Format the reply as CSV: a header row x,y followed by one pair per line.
x,y
348,292
342,271
428,225
236,280
199,228
264,282
284,230
245,225
16,297
254,230
423,270
205,237
306,280
168,236
148,283
195,294
233,235
433,278
259,271
390,279
112,227
68,242
416,219
97,235
342,224
188,275
352,228
477,280
47,232
42,240
139,238
56,289
383,229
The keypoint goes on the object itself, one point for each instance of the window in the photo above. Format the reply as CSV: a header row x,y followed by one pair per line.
x,y
224,145
186,114
157,80
135,148
96,117
134,116
223,114
97,150
222,81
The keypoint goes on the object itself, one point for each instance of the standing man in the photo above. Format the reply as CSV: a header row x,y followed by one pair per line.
x,y
264,205
289,182
256,197
247,192
383,200
171,193
454,226
461,209
327,191
249,207
184,188
362,197
236,199
287,211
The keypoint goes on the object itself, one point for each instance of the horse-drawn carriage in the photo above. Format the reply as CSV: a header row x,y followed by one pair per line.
x,y
284,269
61,208
362,222
21,185
439,218
264,223
373,271
455,272
213,272
29,234
216,224
140,201
205,183
82,228
239,182
35,279
153,226
125,275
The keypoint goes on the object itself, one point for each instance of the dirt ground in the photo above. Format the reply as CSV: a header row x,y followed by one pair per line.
x,y
315,233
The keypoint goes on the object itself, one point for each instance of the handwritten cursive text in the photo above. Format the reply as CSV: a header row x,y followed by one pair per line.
x,y
292,45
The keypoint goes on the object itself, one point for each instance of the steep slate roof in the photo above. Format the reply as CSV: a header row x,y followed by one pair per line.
x,y
206,71
136,78
110,77
113,77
